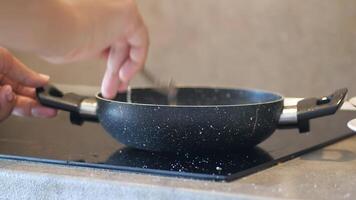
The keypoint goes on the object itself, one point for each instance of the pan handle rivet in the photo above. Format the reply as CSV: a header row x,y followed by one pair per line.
x,y
323,100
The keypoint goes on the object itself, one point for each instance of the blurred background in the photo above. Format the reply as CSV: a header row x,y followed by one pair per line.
x,y
297,48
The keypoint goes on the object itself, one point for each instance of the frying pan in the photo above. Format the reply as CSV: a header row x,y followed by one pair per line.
x,y
204,119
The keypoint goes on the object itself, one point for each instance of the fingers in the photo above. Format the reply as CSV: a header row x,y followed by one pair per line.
x,y
117,55
138,53
21,80
28,107
15,70
124,61
7,101
17,87
26,91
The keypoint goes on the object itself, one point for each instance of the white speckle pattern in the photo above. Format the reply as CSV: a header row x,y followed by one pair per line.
x,y
168,128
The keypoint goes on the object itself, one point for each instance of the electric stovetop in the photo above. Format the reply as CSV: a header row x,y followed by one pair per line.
x,y
56,141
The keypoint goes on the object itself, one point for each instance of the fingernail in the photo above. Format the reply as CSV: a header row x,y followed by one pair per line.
x,y
36,113
42,112
44,76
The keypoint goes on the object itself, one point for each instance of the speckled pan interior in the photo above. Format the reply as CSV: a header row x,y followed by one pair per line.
x,y
198,97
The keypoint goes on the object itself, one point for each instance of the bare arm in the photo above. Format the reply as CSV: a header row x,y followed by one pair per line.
x,y
35,25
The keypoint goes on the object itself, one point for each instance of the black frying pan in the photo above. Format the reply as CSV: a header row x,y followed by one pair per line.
x,y
204,119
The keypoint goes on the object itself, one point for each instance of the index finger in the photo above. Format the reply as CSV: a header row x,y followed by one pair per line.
x,y
14,69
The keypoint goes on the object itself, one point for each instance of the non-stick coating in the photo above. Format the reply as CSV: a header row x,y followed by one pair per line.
x,y
202,120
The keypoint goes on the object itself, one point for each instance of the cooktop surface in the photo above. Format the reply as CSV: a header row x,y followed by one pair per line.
x,y
57,141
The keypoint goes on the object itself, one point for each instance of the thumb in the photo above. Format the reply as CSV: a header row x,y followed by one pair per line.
x,y
7,101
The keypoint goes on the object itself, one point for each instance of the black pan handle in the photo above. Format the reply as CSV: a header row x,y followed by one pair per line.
x,y
310,108
52,97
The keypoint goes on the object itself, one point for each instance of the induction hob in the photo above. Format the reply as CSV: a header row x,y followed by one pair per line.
x,y
57,141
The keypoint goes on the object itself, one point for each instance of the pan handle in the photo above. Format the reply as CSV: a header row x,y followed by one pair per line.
x,y
81,108
310,108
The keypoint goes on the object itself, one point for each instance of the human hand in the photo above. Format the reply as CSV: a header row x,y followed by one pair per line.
x,y
17,89
113,29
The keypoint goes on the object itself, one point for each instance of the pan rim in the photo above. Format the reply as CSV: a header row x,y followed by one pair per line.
x,y
280,98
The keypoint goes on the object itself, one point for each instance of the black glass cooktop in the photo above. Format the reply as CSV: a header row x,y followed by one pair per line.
x,y
56,141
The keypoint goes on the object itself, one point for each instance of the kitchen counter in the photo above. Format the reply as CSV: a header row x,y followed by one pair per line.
x,y
329,173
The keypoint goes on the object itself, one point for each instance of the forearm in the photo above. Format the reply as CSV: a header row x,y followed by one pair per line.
x,y
36,25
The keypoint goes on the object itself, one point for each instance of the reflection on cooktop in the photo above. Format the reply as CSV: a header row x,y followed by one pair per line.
x,y
218,164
